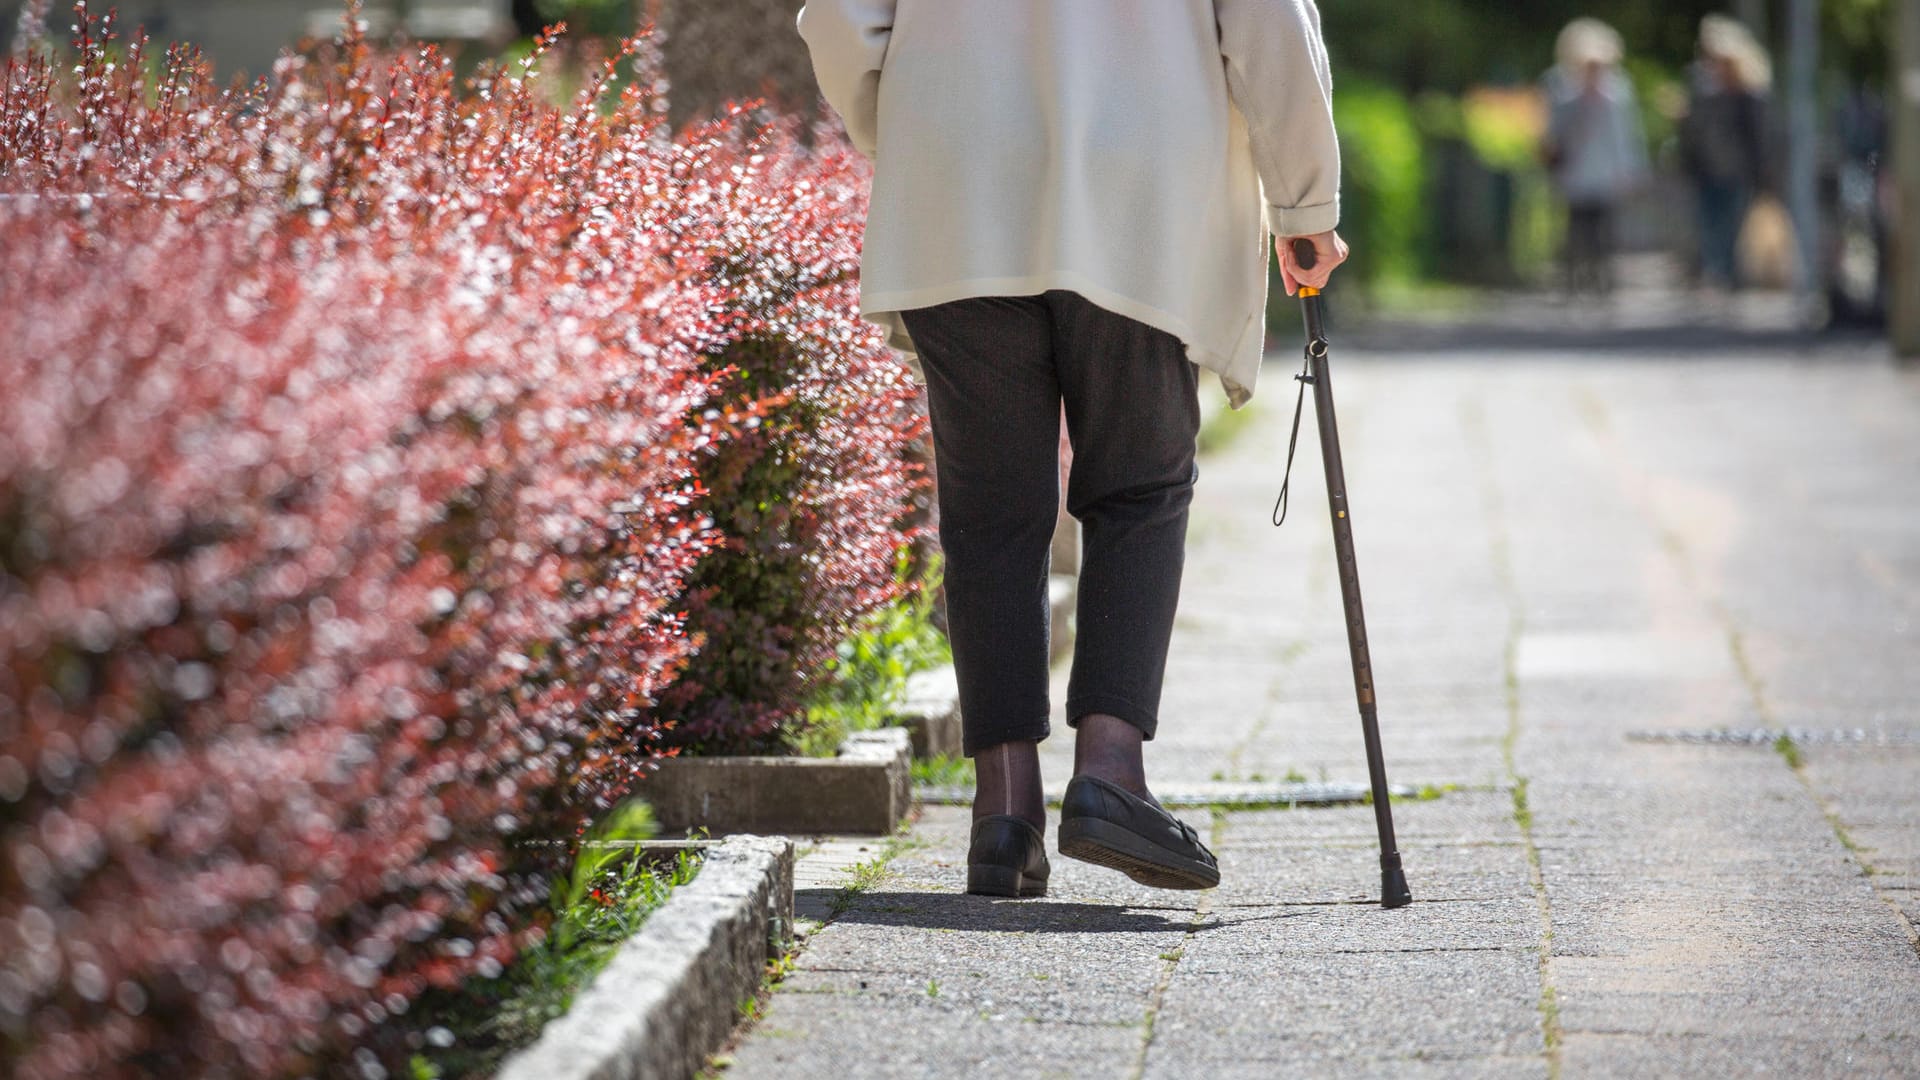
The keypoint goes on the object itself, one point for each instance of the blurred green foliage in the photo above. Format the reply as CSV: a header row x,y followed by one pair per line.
x,y
1419,80
870,669
1382,182
609,18
944,770
1660,92
1857,33
1502,131
1451,45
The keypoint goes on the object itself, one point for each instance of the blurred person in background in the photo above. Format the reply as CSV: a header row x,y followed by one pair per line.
x,y
1723,140
1596,147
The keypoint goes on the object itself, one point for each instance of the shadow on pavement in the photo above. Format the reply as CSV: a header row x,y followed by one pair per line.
x,y
950,911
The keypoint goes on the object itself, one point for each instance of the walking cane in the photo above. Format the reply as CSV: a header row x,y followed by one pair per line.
x,y
1393,880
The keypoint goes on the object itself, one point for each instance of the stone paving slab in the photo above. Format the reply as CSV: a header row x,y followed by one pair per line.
x,y
926,1037
1559,551
1314,1006
1347,871
1234,941
1301,1060
1870,793
1623,1054
1458,817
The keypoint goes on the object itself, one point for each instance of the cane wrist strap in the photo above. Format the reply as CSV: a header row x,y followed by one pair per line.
x,y
1293,441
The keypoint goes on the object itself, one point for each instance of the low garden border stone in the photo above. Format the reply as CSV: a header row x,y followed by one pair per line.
x,y
866,790
666,1000
930,711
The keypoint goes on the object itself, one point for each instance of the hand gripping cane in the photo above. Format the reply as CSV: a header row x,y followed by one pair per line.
x,y
1393,880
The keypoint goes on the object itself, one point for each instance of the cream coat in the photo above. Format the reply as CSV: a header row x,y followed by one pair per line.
x,y
1138,152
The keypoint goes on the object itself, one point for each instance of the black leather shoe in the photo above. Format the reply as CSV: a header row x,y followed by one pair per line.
x,y
1008,858
1109,826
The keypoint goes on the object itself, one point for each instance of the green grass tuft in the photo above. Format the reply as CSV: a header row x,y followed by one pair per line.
x,y
943,770
603,902
1522,812
1788,749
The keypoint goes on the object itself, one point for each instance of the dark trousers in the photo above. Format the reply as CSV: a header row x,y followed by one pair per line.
x,y
1590,247
1723,209
998,370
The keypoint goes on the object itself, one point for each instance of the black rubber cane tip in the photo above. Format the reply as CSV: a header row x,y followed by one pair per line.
x,y
1305,254
1393,889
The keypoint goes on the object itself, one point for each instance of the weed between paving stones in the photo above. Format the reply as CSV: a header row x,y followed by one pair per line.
x,y
864,876
1473,421
1171,958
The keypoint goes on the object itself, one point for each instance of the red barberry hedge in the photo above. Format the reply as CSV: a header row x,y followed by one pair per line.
x,y
351,458
800,561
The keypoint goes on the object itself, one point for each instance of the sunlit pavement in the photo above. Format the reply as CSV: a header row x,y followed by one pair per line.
x,y
1600,582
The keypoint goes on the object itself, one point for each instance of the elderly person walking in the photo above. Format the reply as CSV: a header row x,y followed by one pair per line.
x,y
1072,203
1723,140
1596,146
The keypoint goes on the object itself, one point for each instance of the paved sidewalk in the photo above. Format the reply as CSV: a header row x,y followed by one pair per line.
x,y
1575,566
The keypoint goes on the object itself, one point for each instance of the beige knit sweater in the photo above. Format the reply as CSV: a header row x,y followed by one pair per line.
x,y
1138,152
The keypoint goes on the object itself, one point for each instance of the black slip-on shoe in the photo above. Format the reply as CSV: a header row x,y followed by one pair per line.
x,y
1008,858
1109,826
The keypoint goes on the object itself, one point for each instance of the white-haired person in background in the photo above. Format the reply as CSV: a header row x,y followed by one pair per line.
x,y
1723,140
1596,146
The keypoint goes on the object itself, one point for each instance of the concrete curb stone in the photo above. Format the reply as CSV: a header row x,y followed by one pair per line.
x,y
930,712
666,1001
866,790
